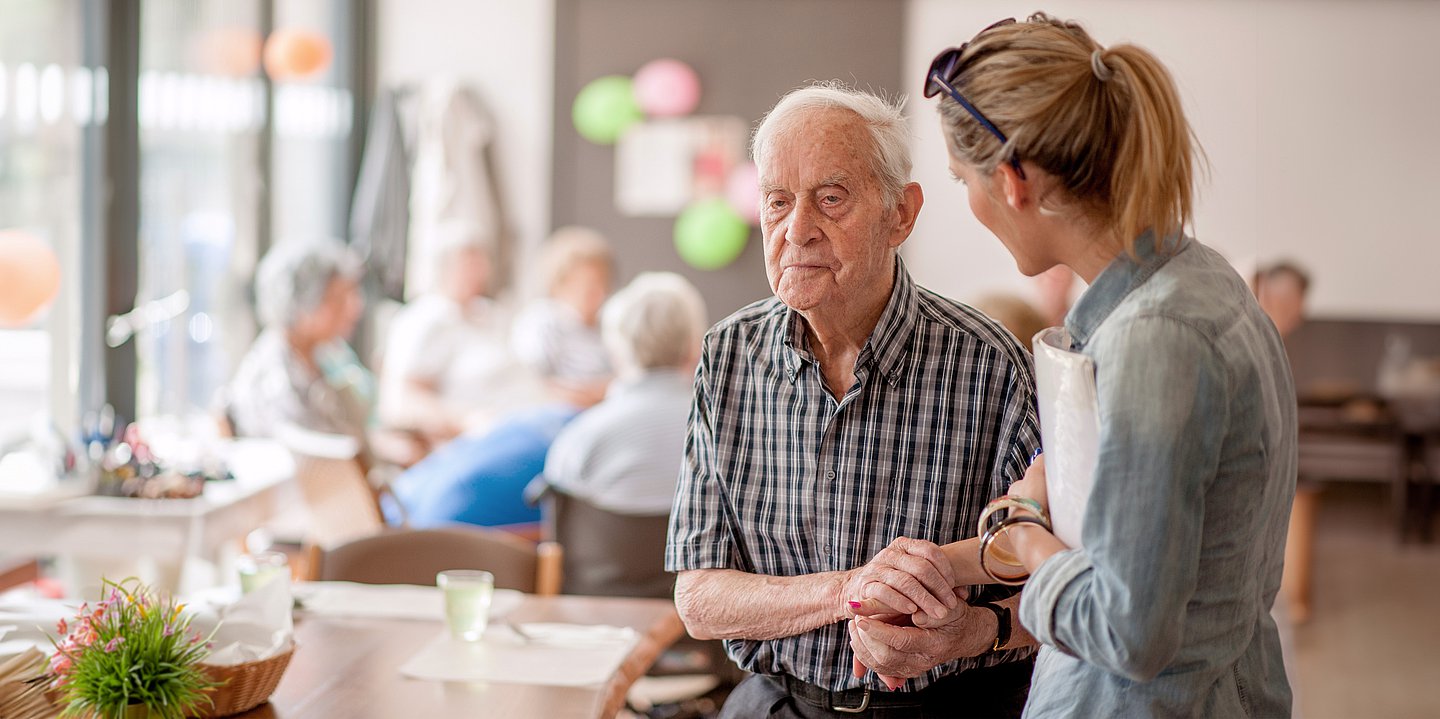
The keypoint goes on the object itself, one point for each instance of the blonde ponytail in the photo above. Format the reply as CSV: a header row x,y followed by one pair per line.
x,y
1106,123
1153,177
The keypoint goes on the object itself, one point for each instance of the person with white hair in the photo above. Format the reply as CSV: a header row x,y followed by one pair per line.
x,y
300,372
623,454
447,364
839,432
558,335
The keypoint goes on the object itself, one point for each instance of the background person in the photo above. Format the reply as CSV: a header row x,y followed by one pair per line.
x,y
559,335
300,371
448,365
624,453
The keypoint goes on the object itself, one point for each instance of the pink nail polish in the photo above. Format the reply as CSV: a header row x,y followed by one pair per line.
x,y
854,605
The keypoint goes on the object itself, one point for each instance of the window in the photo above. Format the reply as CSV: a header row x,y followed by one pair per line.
x,y
234,154
48,97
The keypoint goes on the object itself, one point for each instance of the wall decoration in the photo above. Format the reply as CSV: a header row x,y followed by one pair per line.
x,y
663,166
667,88
29,277
605,108
742,190
292,54
710,235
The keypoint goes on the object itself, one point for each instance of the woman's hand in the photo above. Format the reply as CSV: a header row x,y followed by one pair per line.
x,y
1032,485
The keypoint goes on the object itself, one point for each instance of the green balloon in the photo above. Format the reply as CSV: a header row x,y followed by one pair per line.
x,y
710,235
604,108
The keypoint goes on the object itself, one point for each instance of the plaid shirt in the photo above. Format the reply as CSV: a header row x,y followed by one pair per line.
x,y
781,479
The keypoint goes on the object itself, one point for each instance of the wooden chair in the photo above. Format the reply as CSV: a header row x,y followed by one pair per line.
x,y
415,556
608,554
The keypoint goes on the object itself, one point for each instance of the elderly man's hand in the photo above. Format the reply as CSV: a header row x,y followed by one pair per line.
x,y
910,576
896,652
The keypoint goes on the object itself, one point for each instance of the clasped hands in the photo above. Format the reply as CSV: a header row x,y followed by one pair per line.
x,y
908,616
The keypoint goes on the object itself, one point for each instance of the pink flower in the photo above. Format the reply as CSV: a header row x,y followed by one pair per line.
x,y
60,664
62,627
114,644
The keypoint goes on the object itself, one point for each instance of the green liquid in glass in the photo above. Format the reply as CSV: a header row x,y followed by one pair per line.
x,y
467,609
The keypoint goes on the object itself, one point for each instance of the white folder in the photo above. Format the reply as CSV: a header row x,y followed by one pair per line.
x,y
1069,429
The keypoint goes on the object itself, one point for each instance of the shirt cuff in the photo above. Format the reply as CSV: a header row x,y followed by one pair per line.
x,y
1042,594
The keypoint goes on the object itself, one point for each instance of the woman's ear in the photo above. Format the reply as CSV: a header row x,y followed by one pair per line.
x,y
1016,189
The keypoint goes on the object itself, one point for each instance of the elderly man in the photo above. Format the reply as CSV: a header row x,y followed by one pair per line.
x,y
839,432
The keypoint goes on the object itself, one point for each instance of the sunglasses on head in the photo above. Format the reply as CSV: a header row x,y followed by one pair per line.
x,y
941,76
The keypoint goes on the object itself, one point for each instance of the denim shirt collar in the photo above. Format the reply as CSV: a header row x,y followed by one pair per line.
x,y
888,344
1117,281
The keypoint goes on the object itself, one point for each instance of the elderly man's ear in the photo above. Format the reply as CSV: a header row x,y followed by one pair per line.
x,y
906,210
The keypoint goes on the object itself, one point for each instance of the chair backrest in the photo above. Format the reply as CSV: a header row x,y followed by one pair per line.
x,y
606,553
415,556
341,502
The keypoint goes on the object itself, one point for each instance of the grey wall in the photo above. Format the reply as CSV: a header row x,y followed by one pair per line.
x,y
747,53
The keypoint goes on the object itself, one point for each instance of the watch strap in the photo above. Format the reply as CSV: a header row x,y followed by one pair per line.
x,y
1002,625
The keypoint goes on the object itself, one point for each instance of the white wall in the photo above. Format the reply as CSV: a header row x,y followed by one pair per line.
x,y
506,51
1318,116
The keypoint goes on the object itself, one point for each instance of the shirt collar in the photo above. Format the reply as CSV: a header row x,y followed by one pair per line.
x,y
888,344
1117,281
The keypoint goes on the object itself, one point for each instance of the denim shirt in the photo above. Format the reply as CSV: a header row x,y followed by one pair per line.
x,y
1166,610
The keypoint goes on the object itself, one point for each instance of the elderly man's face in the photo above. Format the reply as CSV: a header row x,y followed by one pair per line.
x,y
828,234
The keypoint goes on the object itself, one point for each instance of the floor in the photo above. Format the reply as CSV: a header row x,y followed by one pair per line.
x,y
1372,646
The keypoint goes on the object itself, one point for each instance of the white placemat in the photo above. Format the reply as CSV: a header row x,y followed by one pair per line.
x,y
571,655
387,601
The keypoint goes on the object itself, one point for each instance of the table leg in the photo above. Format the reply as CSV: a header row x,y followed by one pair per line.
x,y
1299,553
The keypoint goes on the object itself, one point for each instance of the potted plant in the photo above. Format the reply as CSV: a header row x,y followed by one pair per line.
x,y
133,655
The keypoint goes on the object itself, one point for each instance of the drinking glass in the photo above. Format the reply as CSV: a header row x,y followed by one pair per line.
x,y
467,601
257,570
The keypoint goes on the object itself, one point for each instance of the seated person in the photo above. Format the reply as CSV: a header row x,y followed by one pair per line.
x,y
623,455
480,479
558,335
300,373
447,365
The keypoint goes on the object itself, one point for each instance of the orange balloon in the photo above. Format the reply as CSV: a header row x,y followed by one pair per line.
x,y
296,54
29,277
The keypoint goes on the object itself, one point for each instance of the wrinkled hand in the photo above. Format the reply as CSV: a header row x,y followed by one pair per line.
x,y
875,609
896,652
910,576
1032,485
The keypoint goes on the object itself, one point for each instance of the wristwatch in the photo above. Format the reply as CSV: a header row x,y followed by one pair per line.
x,y
1002,625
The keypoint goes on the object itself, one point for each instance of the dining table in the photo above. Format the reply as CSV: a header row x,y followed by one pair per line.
x,y
172,533
349,667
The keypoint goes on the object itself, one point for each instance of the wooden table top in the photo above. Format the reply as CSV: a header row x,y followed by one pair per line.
x,y
349,668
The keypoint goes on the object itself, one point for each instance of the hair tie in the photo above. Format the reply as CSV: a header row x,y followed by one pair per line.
x,y
1098,66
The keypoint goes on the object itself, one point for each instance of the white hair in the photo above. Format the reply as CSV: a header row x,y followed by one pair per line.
x,y
292,279
884,119
656,321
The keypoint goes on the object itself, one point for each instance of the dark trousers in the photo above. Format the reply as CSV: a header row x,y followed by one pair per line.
x,y
998,691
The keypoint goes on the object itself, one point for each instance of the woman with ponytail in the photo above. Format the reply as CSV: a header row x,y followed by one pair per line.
x,y
1079,155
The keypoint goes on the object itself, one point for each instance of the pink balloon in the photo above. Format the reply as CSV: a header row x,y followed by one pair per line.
x,y
667,88
29,277
742,191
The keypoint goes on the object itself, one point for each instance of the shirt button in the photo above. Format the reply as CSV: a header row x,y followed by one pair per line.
x,y
830,474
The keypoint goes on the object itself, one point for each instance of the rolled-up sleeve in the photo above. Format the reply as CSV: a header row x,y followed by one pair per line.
x,y
699,536
1119,603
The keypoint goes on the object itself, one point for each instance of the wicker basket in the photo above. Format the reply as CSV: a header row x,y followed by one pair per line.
x,y
245,686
